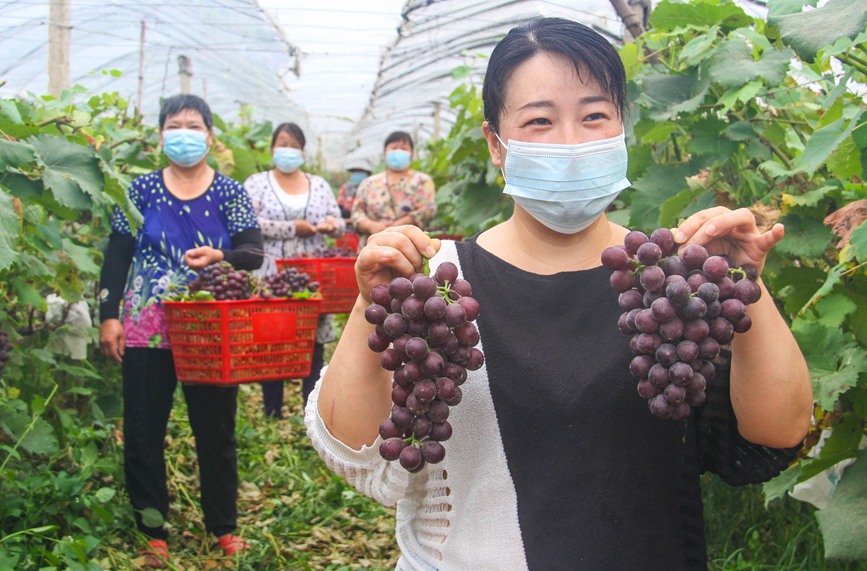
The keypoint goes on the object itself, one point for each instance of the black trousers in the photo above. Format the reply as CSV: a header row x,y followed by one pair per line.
x,y
272,391
149,383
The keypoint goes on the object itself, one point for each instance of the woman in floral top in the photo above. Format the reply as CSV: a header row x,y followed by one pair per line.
x,y
295,210
397,196
192,217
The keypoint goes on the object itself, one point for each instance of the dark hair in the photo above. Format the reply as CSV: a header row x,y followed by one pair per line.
x,y
587,50
177,103
397,137
289,129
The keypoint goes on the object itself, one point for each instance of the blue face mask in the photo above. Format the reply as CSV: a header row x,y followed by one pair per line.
x,y
288,159
357,177
185,147
566,187
398,159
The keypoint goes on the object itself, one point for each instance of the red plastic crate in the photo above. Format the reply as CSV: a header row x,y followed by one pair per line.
x,y
233,342
336,277
349,241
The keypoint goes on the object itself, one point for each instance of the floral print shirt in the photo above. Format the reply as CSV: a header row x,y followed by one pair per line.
x,y
383,202
172,226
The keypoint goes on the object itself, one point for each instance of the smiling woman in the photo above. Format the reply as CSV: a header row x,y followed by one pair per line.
x,y
555,462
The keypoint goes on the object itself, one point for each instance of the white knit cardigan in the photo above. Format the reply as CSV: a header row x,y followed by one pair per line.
x,y
459,514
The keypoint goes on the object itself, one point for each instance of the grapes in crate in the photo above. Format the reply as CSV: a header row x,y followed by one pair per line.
x,y
678,308
286,283
425,332
223,282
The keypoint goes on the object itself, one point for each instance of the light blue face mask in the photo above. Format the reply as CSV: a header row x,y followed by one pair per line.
x,y
288,159
185,147
565,187
398,159
357,177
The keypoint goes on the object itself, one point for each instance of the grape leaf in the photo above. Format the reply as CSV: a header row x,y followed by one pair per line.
x,y
809,198
778,487
822,143
70,170
858,242
40,439
834,358
733,65
658,184
668,16
842,521
666,96
805,237
833,309
842,444
14,154
9,228
809,31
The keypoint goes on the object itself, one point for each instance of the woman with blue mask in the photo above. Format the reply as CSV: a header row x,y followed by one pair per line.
x,y
555,461
397,196
359,169
192,217
295,210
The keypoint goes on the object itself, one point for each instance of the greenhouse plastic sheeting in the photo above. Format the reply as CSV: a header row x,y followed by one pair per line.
x,y
238,56
438,36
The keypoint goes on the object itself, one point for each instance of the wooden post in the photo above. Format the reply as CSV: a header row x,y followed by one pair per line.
x,y
58,47
141,63
185,71
630,20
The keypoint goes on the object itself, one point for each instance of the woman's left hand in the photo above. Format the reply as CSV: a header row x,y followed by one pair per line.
x,y
327,227
198,258
731,232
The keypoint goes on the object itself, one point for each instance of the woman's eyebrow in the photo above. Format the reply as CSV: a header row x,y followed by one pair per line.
x,y
547,104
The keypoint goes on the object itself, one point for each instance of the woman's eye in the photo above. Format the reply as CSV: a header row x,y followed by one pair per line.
x,y
539,121
595,117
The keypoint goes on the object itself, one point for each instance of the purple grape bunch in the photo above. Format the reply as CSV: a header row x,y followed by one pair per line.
x,y
425,332
5,349
223,282
285,283
679,308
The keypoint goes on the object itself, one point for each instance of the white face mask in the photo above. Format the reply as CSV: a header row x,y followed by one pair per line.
x,y
566,187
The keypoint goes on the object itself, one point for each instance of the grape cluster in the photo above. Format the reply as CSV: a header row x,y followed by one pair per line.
x,y
5,348
330,252
426,334
224,282
284,283
679,309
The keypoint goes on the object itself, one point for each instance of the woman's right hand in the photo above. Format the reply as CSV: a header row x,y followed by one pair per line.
x,y
111,339
304,229
397,251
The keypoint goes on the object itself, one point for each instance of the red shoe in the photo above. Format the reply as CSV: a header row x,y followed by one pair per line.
x,y
231,544
156,554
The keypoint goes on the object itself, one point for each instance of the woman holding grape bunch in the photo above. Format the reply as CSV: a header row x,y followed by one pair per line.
x,y
554,461
192,217
296,210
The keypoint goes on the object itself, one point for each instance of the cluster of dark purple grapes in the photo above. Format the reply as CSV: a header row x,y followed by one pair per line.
x,y
223,282
5,348
426,334
679,309
331,252
284,283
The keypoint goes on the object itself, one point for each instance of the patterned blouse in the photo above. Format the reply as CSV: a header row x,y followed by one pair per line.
x,y
383,202
171,227
277,221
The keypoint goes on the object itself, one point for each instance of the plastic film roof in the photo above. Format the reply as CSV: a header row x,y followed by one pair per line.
x,y
415,77
238,56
